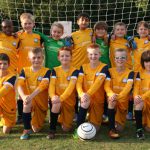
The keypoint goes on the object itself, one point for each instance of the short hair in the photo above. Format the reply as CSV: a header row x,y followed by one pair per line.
x,y
4,57
83,15
7,21
27,16
64,48
59,25
145,57
120,24
144,23
101,24
121,50
93,46
36,50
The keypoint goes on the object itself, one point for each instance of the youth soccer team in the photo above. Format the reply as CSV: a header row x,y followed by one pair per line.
x,y
93,68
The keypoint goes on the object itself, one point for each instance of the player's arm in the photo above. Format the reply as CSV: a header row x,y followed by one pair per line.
x,y
43,36
126,90
72,84
99,81
80,82
7,86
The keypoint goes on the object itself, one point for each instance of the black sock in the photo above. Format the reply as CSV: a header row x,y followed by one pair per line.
x,y
130,108
20,108
105,108
138,118
111,116
53,121
76,105
81,116
26,117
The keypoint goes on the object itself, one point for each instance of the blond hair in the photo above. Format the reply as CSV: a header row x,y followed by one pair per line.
x,y
59,25
27,16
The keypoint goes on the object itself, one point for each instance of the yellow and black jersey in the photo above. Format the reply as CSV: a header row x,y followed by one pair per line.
x,y
9,45
81,39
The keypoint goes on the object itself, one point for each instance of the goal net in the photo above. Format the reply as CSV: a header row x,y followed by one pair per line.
x,y
48,11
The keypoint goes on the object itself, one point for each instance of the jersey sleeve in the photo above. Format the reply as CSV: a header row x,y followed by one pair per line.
x,y
42,36
126,90
7,86
99,81
137,82
80,82
21,78
52,85
45,81
72,84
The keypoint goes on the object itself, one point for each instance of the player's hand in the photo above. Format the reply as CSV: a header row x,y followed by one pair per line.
x,y
55,99
113,97
85,98
25,99
137,99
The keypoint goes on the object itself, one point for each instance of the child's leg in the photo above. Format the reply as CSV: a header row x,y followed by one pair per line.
x,y
6,130
20,110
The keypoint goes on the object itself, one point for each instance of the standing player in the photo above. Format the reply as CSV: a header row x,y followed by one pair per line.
x,y
90,87
9,44
62,93
118,88
28,40
7,95
142,96
32,86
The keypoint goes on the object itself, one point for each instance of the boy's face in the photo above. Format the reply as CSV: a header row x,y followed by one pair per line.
x,y
27,25
120,58
100,33
64,57
147,66
36,59
7,28
83,23
3,65
120,31
142,31
93,54
56,33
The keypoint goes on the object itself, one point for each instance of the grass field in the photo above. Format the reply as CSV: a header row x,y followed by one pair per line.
x,y
64,141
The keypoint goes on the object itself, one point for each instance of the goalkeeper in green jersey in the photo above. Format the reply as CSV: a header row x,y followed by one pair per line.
x,y
53,43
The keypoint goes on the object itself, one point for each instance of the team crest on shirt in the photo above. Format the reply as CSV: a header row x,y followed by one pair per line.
x,y
124,80
35,40
14,43
60,43
68,78
39,78
146,41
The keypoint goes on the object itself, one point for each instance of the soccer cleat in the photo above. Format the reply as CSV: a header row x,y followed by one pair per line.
x,y
51,135
26,134
140,134
114,134
129,116
75,134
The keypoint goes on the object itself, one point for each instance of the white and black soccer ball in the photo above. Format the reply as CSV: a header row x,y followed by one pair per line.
x,y
86,131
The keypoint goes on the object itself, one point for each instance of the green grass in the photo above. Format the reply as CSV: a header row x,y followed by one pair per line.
x,y
64,141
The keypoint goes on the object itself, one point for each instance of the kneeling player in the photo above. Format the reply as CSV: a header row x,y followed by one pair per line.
x,y
7,95
118,88
142,96
62,92
90,87
33,85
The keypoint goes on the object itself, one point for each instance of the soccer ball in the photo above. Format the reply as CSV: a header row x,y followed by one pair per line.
x,y
86,131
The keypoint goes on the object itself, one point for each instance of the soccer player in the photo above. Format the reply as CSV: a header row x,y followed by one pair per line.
x,y
7,94
81,39
62,93
9,44
142,96
119,32
32,86
118,87
28,40
90,88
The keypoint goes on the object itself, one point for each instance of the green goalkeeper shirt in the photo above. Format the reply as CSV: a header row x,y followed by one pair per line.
x,y
104,49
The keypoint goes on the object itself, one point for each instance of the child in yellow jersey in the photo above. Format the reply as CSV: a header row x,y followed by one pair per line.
x,y
32,86
9,44
142,96
81,39
7,94
62,93
142,43
28,40
120,42
90,88
118,87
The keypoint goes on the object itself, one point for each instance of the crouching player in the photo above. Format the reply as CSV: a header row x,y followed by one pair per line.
x,y
62,93
90,88
142,96
7,95
32,86
118,88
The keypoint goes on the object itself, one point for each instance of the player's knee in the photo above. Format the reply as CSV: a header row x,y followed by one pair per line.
x,y
111,105
56,108
85,105
138,106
